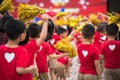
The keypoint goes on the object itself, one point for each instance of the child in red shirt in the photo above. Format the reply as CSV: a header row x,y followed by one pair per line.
x,y
110,54
88,56
35,40
44,51
100,35
13,58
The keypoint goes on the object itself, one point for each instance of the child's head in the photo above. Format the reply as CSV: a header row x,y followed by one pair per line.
x,y
62,32
33,30
112,29
88,31
4,20
15,29
101,27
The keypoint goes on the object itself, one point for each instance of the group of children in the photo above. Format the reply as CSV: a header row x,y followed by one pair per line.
x,y
30,52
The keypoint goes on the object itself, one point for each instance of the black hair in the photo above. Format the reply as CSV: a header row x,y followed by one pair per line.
x,y
33,30
3,21
14,28
88,31
112,29
101,26
50,30
69,29
60,30
1,1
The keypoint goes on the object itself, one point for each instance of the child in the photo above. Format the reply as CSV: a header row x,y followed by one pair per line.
x,y
63,61
88,56
53,62
13,58
3,35
35,40
110,53
100,35
44,51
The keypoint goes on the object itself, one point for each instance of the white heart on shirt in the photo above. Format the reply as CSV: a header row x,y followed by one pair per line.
x,y
85,53
112,47
9,56
103,38
52,41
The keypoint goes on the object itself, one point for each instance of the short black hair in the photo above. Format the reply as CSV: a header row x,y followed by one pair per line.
x,y
101,26
14,28
88,31
3,21
60,30
33,30
112,29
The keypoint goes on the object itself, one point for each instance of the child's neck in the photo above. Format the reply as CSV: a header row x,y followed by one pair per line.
x,y
12,44
111,38
87,41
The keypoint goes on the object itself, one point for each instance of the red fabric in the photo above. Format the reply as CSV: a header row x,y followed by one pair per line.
x,y
99,39
63,60
111,52
44,50
51,14
78,38
32,48
18,57
87,62
54,40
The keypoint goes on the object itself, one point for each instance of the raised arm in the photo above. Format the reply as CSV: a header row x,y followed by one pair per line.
x,y
43,33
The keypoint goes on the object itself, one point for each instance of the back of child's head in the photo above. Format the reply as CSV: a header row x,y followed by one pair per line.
x,y
4,20
88,31
14,28
101,27
33,30
112,29
60,30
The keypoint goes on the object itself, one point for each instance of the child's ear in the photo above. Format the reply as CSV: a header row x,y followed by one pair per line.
x,y
22,36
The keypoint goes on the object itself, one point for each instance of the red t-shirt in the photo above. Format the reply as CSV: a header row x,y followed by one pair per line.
x,y
99,39
44,50
87,54
63,60
54,40
111,52
78,37
10,59
32,48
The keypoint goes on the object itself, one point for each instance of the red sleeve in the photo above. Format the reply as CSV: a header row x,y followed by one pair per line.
x,y
22,58
49,50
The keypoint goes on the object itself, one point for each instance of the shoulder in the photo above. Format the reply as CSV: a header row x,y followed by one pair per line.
x,y
2,47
